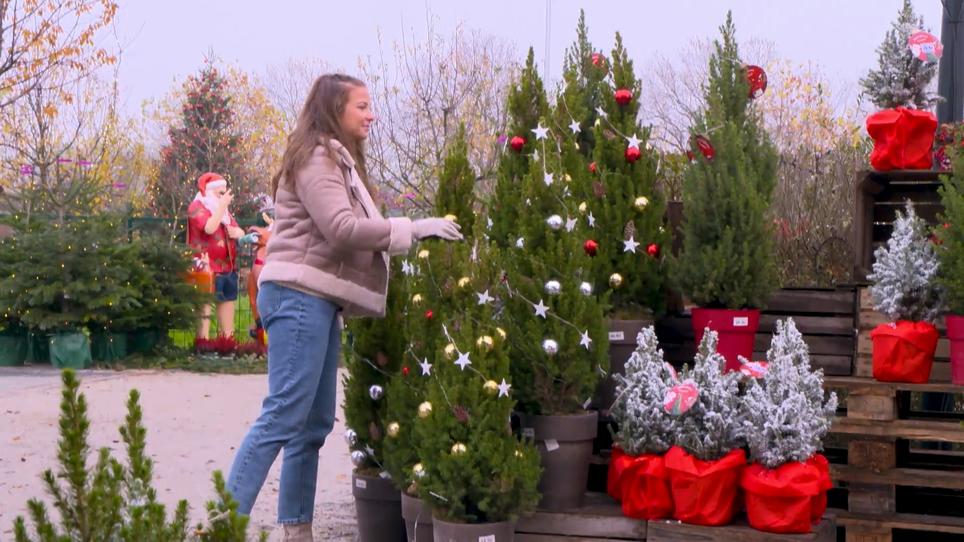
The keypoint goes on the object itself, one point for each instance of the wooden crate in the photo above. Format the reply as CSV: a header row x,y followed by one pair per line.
x,y
825,317
879,196
600,520
868,319
892,482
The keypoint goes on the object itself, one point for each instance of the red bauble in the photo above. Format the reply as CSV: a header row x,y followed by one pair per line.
x,y
405,370
598,60
592,167
757,79
591,247
632,154
517,142
623,96
653,250
705,147
429,314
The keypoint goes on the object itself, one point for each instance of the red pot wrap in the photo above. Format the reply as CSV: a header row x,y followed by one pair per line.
x,y
904,351
780,500
645,485
955,333
614,477
903,138
705,492
818,505
736,330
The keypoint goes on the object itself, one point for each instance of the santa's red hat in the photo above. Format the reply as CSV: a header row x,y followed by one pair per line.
x,y
210,180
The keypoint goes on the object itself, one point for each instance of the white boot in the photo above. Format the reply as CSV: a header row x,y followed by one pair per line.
x,y
298,532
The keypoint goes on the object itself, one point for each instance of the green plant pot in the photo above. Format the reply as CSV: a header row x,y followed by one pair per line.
x,y
70,350
143,341
108,346
38,347
13,349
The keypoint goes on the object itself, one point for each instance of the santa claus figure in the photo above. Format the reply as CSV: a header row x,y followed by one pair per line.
x,y
213,234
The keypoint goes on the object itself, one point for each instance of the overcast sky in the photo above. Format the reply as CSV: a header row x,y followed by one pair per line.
x,y
167,40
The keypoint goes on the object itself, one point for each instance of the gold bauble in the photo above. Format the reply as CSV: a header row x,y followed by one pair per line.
x,y
450,351
491,387
640,203
417,299
423,254
458,448
615,280
464,281
418,470
501,332
450,217
519,454
583,207
485,343
567,177
393,429
424,409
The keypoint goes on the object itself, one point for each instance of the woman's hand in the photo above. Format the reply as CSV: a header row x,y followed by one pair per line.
x,y
437,227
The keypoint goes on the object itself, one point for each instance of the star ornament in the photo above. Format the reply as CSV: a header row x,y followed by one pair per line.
x,y
633,142
585,340
426,367
540,131
504,388
601,112
574,126
407,268
592,220
484,297
570,224
463,360
541,309
630,245
548,179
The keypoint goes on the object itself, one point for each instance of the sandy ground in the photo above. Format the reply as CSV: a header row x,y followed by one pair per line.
x,y
194,423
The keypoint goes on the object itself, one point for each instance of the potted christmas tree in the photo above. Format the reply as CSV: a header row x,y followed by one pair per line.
x,y
13,333
785,417
906,290
374,352
903,132
726,265
616,189
637,470
705,463
951,254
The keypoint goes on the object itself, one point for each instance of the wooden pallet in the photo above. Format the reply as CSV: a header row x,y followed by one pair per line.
x,y
600,519
890,479
868,319
879,196
825,317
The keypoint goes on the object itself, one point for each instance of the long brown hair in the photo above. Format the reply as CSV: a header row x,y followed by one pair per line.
x,y
319,121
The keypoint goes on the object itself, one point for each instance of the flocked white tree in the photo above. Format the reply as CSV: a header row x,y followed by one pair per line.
x,y
713,426
786,414
644,425
901,79
905,272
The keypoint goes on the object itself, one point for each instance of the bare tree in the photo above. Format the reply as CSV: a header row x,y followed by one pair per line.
x,y
288,84
424,89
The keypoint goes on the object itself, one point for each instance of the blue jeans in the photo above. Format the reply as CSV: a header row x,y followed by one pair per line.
x,y
299,411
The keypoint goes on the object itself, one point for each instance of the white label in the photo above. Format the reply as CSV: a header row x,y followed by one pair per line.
x,y
616,336
487,538
528,432
360,484
741,321
586,403
384,475
551,445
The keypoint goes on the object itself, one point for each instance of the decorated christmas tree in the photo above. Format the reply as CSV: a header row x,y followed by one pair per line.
x,y
204,139
905,272
583,76
713,425
901,78
374,352
645,426
727,261
785,415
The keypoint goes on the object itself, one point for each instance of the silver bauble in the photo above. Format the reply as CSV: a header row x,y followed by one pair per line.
x,y
555,222
550,347
358,458
375,392
585,288
553,287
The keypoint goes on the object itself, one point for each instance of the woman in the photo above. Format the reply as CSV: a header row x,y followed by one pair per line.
x,y
328,255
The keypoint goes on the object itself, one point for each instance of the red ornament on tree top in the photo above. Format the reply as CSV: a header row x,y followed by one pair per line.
x,y
705,147
405,370
757,79
517,142
623,96
653,250
591,247
632,154
598,60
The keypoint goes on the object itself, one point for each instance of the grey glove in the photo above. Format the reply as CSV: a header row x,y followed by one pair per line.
x,y
437,227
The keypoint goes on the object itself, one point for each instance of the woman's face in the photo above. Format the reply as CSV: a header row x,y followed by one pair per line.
x,y
357,118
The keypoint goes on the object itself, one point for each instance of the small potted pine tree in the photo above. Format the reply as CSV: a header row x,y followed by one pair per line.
x,y
785,417
903,131
13,333
726,265
705,463
906,290
374,352
637,469
951,254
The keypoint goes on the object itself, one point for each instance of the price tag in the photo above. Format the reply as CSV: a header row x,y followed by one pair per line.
x,y
616,335
741,321
360,484
552,445
487,538
529,432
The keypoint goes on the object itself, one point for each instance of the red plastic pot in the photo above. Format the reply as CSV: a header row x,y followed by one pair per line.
x,y
646,489
736,329
705,492
903,351
955,333
780,500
